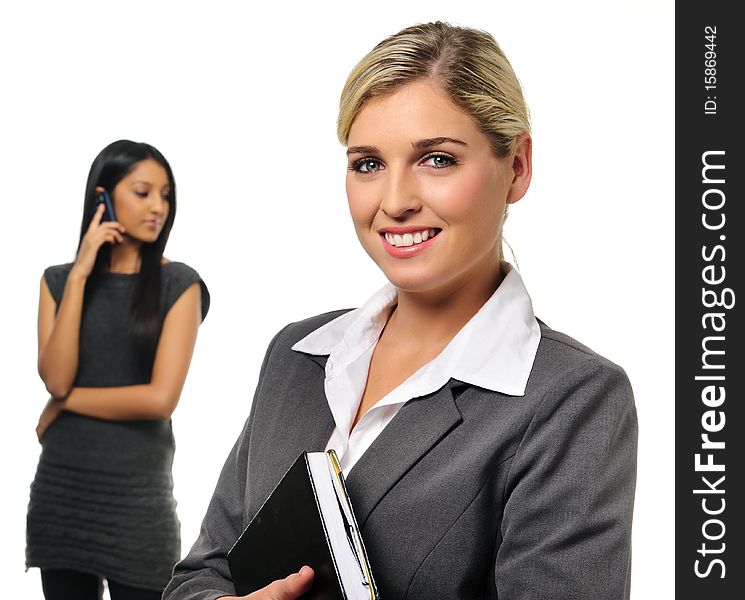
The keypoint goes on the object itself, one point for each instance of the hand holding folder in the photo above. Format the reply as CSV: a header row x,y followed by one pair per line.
x,y
307,520
291,587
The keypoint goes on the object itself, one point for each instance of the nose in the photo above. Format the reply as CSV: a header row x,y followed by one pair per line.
x,y
401,197
157,203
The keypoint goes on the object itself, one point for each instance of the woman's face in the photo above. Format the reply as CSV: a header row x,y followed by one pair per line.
x,y
140,200
426,192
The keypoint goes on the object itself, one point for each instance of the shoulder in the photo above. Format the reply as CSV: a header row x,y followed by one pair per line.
x,y
564,363
56,277
280,360
177,278
54,272
294,332
576,400
176,271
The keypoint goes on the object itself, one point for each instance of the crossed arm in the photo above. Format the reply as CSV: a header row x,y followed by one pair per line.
x,y
59,336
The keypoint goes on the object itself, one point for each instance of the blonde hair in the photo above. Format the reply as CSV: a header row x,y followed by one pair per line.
x,y
468,66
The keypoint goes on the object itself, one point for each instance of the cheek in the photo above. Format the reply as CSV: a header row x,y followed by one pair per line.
x,y
363,205
122,205
475,199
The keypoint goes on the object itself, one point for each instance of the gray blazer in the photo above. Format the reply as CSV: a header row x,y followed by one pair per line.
x,y
466,494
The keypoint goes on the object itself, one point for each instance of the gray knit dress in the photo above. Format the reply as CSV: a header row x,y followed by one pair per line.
x,y
102,497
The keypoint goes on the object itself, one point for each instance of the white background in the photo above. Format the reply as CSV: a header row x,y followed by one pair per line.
x,y
242,101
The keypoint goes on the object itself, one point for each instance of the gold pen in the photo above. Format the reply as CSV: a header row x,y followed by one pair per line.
x,y
362,556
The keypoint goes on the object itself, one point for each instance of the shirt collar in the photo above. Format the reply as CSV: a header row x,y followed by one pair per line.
x,y
494,350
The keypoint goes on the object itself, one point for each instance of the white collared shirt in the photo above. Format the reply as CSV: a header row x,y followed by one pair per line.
x,y
495,350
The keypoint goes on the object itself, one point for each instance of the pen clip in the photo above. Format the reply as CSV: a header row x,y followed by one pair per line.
x,y
350,525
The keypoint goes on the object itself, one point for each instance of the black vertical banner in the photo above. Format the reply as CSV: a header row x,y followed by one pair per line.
x,y
710,298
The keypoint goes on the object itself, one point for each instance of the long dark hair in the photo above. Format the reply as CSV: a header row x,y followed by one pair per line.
x,y
111,165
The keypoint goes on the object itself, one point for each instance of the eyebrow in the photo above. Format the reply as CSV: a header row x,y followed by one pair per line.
x,y
362,150
419,145
143,181
428,143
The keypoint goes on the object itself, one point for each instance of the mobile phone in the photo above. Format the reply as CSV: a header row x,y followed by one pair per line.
x,y
108,212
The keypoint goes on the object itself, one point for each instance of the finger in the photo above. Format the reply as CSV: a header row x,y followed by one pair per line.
x,y
295,585
97,216
108,233
114,225
115,236
291,587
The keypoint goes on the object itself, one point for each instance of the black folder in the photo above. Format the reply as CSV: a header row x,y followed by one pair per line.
x,y
307,520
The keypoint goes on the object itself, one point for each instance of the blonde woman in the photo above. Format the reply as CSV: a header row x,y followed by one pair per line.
x,y
486,455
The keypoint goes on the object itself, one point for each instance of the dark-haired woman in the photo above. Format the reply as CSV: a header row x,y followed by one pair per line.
x,y
116,332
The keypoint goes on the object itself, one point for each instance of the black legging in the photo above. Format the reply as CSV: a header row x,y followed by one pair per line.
x,y
61,584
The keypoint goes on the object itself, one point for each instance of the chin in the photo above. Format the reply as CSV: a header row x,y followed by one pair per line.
x,y
409,275
146,238
413,279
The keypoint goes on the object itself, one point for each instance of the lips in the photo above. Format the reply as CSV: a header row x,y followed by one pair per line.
x,y
404,242
409,238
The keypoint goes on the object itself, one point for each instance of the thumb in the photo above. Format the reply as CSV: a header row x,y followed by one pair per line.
x,y
293,586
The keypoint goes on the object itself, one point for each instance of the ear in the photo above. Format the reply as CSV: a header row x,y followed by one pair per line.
x,y
99,189
522,168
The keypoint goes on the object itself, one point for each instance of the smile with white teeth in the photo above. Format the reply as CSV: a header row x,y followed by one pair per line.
x,y
409,239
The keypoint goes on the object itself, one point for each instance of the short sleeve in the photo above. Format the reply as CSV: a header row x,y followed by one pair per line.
x,y
178,278
56,278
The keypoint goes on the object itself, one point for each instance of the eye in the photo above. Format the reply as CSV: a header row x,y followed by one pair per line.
x,y
438,160
142,194
366,165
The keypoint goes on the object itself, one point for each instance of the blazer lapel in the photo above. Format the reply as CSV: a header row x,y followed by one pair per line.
x,y
311,422
301,421
418,426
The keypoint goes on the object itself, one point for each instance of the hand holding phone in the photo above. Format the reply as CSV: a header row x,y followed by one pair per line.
x,y
105,199
103,229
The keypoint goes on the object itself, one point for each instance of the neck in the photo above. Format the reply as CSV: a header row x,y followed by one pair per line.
x,y
125,257
435,317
